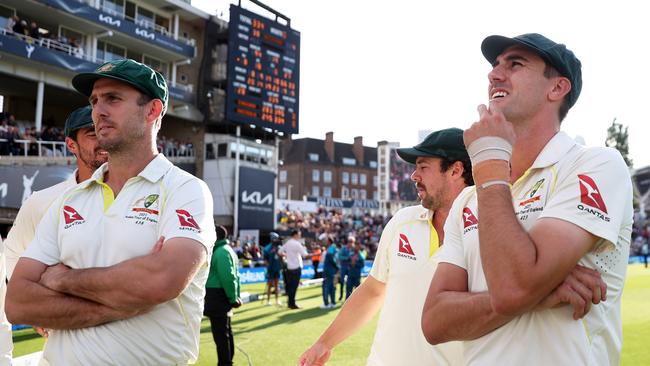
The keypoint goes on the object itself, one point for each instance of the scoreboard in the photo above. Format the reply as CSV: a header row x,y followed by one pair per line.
x,y
263,72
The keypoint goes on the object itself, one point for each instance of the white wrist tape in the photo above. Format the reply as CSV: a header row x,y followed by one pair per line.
x,y
489,148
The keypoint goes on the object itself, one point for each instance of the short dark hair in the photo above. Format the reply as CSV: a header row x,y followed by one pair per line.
x,y
551,72
294,232
445,163
222,233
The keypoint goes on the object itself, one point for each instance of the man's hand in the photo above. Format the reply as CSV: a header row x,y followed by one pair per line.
x,y
42,331
50,278
581,288
316,355
237,304
491,122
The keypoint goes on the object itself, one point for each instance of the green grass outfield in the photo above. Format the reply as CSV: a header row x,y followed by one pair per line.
x,y
270,335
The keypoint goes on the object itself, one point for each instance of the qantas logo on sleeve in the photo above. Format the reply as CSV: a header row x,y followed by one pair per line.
x,y
468,218
590,194
187,220
470,222
590,198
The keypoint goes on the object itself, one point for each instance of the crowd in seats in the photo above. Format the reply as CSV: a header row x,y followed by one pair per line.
x,y
32,33
20,140
172,147
365,227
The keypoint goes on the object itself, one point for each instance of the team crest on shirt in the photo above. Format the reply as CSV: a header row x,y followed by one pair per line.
x,y
71,217
591,200
470,222
144,210
187,221
405,250
531,201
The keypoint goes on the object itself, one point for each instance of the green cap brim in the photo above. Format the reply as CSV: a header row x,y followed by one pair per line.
x,y
411,154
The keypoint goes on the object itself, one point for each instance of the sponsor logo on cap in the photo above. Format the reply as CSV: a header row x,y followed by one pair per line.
x,y
105,68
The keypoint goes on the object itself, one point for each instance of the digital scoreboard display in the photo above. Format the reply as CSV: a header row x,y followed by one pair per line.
x,y
263,72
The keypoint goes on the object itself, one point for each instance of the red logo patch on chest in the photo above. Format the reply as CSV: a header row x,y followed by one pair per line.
x,y
71,215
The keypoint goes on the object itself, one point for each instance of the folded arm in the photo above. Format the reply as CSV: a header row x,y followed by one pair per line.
x,y
452,313
29,302
522,267
135,284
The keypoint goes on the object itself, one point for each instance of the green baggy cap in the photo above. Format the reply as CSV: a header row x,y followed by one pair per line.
x,y
138,75
556,54
446,143
79,118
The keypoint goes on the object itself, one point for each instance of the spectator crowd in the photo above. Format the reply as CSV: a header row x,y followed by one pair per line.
x,y
31,32
22,140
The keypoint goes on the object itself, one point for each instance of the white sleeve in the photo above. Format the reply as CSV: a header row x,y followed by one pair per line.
x,y
595,195
381,264
21,233
45,246
6,344
452,248
187,213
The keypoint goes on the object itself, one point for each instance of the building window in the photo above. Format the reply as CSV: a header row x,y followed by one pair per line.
x,y
349,161
375,195
114,7
362,179
375,181
315,175
373,164
345,178
315,191
355,178
362,194
327,176
222,150
283,176
327,191
313,157
355,193
109,52
161,67
345,193
283,193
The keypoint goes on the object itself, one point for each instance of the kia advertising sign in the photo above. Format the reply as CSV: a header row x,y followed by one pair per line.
x,y
256,201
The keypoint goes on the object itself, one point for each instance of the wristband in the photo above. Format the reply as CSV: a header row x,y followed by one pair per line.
x,y
491,170
494,183
489,148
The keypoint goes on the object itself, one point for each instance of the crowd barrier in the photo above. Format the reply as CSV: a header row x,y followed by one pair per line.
x,y
258,274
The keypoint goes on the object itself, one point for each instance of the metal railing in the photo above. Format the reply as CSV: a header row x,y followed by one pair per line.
x,y
147,24
76,52
43,147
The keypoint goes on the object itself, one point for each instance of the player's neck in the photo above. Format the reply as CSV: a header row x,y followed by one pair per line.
x,y
531,139
124,165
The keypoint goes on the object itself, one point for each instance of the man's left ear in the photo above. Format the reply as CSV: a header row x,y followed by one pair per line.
x,y
156,109
561,88
457,168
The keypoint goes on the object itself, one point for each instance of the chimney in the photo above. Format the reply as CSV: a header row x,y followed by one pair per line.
x,y
285,146
357,149
329,145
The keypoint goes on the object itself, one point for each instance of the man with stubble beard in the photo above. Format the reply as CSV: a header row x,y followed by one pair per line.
x,y
119,262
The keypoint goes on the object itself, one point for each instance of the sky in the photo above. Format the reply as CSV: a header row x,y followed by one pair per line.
x,y
385,70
